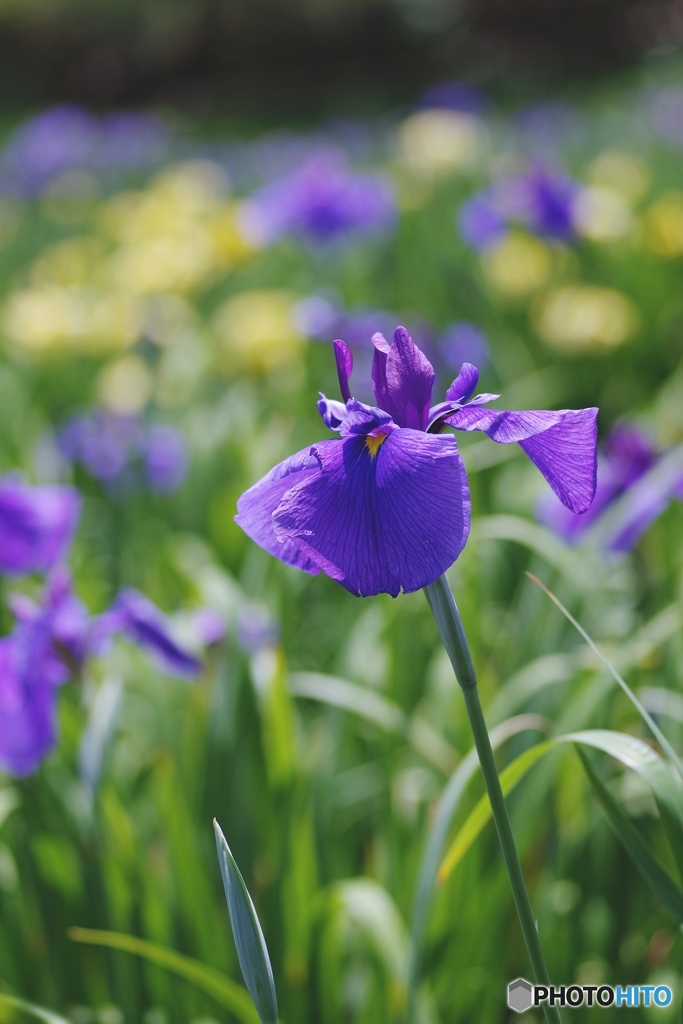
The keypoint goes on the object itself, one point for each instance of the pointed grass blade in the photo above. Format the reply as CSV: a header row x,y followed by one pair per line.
x,y
647,718
252,952
659,880
224,990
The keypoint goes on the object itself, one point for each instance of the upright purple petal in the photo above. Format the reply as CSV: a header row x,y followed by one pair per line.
x,y
562,444
381,523
464,384
37,525
256,506
344,361
403,379
147,626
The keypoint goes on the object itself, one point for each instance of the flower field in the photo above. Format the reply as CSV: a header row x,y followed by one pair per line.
x,y
169,296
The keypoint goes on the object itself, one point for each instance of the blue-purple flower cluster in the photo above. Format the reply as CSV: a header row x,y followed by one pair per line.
x,y
541,200
53,637
123,454
68,137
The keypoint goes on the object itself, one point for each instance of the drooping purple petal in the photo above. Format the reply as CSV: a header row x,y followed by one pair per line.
x,y
403,379
569,525
562,445
256,506
344,361
146,625
36,525
384,523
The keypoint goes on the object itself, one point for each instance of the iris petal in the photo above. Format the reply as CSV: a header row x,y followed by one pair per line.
x,y
381,524
464,384
344,361
403,379
562,445
256,506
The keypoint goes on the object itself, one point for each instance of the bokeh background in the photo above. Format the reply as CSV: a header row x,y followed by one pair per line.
x,y
195,199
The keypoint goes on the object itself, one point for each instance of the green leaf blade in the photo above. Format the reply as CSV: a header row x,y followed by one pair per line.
x,y
252,951
659,880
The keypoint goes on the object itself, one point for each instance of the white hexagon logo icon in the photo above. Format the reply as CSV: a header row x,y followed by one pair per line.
x,y
520,995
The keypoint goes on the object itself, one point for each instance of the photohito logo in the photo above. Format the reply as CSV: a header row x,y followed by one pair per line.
x,y
522,995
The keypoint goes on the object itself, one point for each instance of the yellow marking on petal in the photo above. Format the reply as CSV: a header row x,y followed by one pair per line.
x,y
373,442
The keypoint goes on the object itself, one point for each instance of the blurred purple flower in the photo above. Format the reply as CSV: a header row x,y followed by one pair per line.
x,y
256,628
385,507
322,201
68,136
131,139
462,343
101,442
471,99
552,198
209,625
30,673
479,221
68,620
141,621
37,525
667,115
549,124
109,447
164,453
628,456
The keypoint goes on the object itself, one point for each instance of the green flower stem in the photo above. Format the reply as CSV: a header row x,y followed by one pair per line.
x,y
452,632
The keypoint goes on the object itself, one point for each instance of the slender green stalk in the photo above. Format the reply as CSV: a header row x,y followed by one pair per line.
x,y
452,632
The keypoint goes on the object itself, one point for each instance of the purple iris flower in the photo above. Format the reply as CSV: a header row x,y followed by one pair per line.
x,y
31,670
30,674
102,443
552,203
626,461
322,201
37,525
480,222
165,457
386,506
462,342
67,136
456,96
110,448
141,621
67,618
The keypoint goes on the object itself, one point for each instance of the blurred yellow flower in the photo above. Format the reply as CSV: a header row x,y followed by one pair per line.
x,y
71,263
441,142
620,172
580,317
602,214
124,387
257,332
663,225
177,234
517,265
50,316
